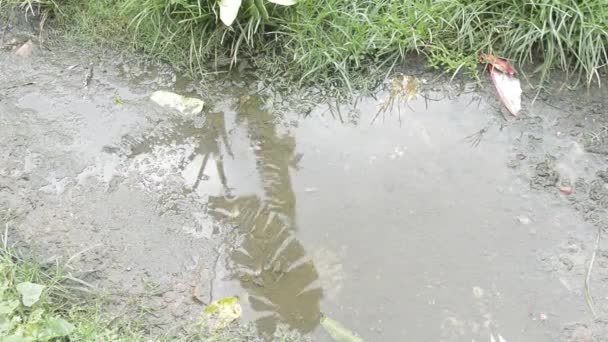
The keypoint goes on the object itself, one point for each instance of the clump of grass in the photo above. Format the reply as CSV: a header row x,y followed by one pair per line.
x,y
342,43
190,34
336,38
42,303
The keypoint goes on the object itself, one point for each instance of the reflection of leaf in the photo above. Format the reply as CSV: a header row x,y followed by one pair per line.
x,y
54,328
410,87
222,312
30,292
284,2
338,332
229,10
402,88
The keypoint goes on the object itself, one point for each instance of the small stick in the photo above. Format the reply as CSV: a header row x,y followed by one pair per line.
x,y
80,253
588,297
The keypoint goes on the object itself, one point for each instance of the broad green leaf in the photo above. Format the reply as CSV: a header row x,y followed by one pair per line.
x,y
284,2
16,338
222,312
30,292
229,10
54,328
338,332
7,307
5,325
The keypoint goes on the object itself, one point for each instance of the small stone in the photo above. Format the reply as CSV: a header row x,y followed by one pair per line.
x,y
524,220
185,105
169,297
565,189
582,334
25,50
477,292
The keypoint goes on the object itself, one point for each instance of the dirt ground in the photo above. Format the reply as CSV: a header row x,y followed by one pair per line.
x,y
401,228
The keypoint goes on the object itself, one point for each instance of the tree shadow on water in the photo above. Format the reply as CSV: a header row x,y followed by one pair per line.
x,y
268,260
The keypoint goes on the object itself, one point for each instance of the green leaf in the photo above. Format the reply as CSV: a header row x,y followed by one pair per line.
x,y
338,332
30,292
5,325
284,2
54,328
7,307
222,312
259,4
229,10
16,338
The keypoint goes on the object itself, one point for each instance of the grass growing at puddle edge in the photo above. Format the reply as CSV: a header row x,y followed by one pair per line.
x,y
342,43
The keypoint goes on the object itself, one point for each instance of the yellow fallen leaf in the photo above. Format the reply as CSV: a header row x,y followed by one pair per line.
x,y
222,312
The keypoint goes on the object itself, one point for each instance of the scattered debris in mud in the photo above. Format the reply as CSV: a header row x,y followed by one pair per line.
x,y
545,174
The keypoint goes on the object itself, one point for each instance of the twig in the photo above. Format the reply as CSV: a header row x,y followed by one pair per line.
x,y
79,281
80,253
18,85
588,297
5,237
475,138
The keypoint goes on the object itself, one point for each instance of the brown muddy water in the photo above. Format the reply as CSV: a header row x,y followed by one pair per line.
x,y
400,228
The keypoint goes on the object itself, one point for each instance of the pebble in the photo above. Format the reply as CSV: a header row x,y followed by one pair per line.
x,y
25,50
524,220
582,334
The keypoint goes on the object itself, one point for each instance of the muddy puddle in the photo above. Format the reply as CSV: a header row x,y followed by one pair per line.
x,y
400,228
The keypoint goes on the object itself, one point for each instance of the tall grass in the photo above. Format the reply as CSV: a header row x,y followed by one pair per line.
x,y
338,42
339,36
189,31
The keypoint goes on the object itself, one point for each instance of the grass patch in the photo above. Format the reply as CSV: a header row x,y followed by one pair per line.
x,y
343,42
41,303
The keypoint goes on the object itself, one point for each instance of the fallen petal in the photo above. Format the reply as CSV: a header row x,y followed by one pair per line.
x,y
565,189
509,90
229,9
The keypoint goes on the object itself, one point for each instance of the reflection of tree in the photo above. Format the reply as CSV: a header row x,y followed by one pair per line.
x,y
270,263
209,139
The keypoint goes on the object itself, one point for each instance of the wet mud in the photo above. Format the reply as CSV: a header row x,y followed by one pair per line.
x,y
441,220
